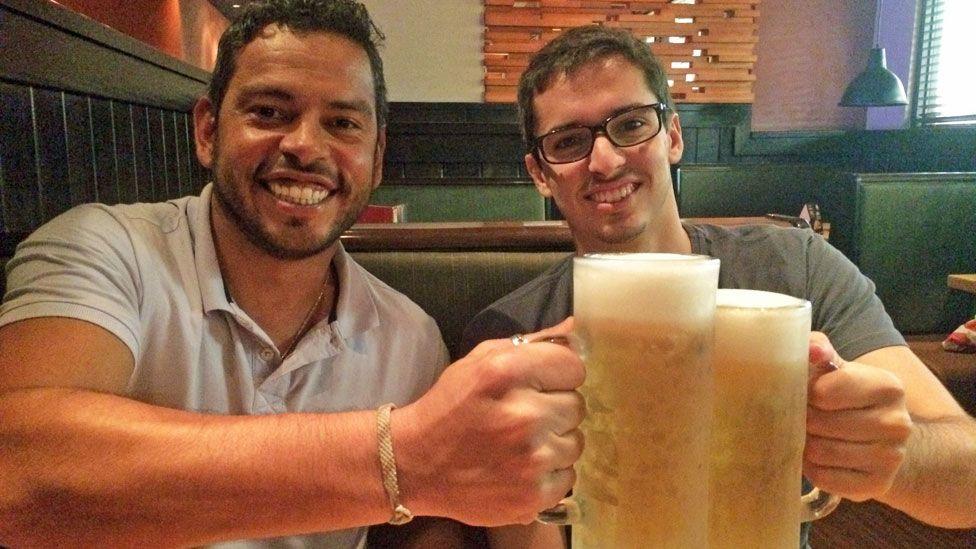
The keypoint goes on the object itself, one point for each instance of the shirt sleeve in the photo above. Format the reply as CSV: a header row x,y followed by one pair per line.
x,y
80,265
845,306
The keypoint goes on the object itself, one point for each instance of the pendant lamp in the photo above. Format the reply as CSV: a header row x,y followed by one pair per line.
x,y
876,86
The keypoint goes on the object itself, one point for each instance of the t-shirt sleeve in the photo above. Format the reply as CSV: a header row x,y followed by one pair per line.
x,y
79,265
845,305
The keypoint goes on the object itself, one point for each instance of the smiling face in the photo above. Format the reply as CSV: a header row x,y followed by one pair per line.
x,y
295,149
617,198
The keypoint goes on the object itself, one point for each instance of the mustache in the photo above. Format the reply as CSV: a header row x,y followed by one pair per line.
x,y
289,163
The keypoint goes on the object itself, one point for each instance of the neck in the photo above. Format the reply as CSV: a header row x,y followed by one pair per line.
x,y
666,236
278,294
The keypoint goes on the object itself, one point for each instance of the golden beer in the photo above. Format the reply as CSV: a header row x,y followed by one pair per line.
x,y
645,327
760,362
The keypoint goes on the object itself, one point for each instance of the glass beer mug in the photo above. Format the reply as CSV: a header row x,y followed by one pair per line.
x,y
761,361
644,330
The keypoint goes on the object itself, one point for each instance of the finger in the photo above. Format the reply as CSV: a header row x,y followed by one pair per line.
x,y
876,458
555,485
546,366
564,410
848,483
861,425
564,450
855,386
562,329
822,356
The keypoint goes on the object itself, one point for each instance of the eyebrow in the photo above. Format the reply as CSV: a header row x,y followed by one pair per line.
x,y
613,113
271,92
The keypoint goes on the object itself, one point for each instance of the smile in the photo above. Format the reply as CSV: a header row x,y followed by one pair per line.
x,y
613,195
298,194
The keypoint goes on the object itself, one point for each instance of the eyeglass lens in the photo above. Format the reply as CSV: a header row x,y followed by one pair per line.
x,y
624,130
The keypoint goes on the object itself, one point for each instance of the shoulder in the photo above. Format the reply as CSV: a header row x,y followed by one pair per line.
x,y
114,226
543,301
755,237
392,305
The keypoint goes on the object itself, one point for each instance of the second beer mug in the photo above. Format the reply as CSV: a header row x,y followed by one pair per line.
x,y
644,325
761,360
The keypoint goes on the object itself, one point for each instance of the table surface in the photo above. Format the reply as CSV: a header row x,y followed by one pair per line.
x,y
964,282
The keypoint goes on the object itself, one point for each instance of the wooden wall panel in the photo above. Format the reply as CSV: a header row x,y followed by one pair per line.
x,y
707,48
60,149
103,144
18,159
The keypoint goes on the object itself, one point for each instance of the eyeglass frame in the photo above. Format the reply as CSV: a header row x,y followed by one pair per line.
x,y
659,108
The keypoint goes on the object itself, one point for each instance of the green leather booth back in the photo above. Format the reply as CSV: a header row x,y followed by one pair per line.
x,y
741,190
467,202
454,286
911,231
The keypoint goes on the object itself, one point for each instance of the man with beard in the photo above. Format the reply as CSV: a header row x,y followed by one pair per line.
x,y
601,134
217,368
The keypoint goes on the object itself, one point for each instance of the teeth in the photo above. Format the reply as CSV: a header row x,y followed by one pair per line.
x,y
615,195
303,196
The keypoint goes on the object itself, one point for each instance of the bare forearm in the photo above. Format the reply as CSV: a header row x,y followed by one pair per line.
x,y
94,469
937,482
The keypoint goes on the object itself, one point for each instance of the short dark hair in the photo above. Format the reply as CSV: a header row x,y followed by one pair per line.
x,y
347,18
576,47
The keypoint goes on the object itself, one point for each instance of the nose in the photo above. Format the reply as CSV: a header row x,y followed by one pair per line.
x,y
306,141
605,158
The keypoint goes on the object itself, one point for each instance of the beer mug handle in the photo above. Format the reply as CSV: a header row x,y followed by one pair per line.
x,y
565,512
817,504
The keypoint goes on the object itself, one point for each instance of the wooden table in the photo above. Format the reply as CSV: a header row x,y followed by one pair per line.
x,y
964,282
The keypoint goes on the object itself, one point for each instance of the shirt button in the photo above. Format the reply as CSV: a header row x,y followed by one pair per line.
x,y
267,353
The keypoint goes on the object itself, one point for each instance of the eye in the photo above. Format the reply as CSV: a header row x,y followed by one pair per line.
x,y
632,124
346,124
569,140
268,114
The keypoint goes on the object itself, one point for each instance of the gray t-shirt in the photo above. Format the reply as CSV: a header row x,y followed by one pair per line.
x,y
795,262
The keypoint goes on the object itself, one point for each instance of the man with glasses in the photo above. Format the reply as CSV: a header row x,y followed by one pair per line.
x,y
601,134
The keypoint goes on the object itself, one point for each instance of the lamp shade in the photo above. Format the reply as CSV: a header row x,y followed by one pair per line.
x,y
876,86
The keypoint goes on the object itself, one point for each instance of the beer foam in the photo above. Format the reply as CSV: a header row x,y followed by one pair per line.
x,y
680,288
758,326
756,299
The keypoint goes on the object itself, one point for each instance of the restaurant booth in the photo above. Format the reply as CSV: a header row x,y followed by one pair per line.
x,y
111,123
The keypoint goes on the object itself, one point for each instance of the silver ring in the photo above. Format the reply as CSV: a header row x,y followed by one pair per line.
x,y
518,339
832,366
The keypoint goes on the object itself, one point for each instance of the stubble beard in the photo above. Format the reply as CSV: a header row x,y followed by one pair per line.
x,y
230,201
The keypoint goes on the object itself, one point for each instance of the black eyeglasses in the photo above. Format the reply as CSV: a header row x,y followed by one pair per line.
x,y
625,129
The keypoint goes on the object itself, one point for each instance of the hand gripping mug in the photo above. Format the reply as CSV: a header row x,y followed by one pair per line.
x,y
761,359
644,331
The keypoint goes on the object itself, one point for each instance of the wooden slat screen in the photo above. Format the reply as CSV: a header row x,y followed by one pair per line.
x,y
706,46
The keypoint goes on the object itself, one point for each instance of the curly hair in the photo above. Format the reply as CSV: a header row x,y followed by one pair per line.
x,y
347,18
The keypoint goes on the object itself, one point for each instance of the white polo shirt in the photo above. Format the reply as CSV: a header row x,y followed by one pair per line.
x,y
148,273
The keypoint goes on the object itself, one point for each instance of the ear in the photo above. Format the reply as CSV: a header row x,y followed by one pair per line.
x,y
378,156
538,177
677,144
204,130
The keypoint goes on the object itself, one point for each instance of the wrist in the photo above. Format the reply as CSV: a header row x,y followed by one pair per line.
x,y
408,440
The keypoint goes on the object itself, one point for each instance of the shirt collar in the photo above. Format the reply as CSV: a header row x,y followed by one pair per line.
x,y
213,292
356,310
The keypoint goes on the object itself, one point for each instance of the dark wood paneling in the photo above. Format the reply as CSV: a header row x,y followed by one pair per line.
x,y
52,148
124,156
18,159
81,165
171,155
103,145
102,61
157,158
142,154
